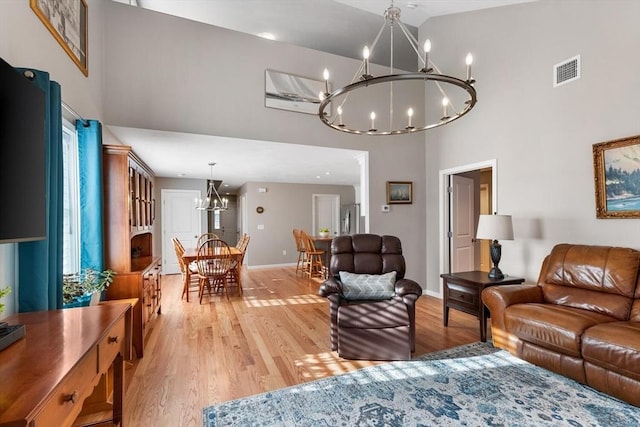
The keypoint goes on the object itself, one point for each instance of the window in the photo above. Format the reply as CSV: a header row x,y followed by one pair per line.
x,y
71,208
216,220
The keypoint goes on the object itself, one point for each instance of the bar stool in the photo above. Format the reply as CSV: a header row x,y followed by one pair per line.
x,y
313,257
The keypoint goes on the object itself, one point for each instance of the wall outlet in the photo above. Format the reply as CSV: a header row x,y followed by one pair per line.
x,y
260,226
284,252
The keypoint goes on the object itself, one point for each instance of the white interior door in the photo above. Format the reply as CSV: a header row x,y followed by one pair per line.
x,y
463,224
179,219
326,213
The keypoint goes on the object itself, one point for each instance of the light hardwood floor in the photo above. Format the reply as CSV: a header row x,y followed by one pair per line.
x,y
275,335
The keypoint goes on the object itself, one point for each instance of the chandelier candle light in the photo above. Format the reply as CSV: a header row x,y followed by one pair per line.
x,y
219,203
346,117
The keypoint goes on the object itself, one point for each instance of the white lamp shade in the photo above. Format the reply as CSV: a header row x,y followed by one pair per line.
x,y
495,227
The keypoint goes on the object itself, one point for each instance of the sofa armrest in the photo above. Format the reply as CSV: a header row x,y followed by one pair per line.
x,y
498,298
405,287
330,287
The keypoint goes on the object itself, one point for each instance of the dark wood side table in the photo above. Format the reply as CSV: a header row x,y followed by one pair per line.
x,y
462,291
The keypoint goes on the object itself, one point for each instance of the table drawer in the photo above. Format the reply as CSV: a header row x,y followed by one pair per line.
x,y
112,344
464,296
66,403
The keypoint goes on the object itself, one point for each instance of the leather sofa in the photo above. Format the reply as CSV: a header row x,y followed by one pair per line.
x,y
581,320
376,328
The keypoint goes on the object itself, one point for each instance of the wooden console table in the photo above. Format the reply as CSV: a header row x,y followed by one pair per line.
x,y
463,291
67,358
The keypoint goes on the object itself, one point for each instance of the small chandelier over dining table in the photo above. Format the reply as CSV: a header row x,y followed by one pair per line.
x,y
213,201
356,115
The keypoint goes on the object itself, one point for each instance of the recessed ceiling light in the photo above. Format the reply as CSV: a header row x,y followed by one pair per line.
x,y
180,175
412,5
317,176
225,185
268,36
327,173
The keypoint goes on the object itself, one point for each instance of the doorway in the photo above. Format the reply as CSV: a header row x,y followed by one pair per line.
x,y
465,193
326,213
224,223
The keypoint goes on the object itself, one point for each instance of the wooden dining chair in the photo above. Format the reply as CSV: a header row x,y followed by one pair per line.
x,y
241,240
302,257
313,257
213,262
192,285
206,236
236,264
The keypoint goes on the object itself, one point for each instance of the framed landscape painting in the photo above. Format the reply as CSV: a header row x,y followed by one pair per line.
x,y
616,166
67,21
399,192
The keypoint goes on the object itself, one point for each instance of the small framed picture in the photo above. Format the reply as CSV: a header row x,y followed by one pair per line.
x,y
67,21
616,167
399,192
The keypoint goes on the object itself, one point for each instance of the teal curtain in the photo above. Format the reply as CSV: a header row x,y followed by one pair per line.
x,y
90,168
40,262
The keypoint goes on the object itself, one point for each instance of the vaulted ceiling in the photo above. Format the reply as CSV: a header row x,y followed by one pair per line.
x,y
341,27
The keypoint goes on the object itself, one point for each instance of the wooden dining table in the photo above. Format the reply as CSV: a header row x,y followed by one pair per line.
x,y
191,254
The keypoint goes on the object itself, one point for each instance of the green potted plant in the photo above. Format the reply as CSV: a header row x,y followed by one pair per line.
x,y
85,288
324,232
3,293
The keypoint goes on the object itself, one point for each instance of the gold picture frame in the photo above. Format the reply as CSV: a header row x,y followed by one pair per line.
x,y
67,21
399,192
616,167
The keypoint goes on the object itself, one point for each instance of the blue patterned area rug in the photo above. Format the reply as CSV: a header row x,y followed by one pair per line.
x,y
472,385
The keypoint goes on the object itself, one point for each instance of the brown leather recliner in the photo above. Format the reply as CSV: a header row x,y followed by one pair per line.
x,y
371,329
581,320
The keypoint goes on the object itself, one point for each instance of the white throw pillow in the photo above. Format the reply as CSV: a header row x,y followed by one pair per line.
x,y
368,286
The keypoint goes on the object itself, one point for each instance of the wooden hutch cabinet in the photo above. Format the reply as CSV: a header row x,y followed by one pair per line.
x,y
128,220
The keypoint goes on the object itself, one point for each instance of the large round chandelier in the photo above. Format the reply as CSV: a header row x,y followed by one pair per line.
x,y
369,105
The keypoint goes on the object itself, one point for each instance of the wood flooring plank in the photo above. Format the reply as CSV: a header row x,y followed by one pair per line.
x,y
275,335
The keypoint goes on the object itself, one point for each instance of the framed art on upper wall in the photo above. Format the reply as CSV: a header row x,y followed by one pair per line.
x,y
294,93
616,167
66,20
399,192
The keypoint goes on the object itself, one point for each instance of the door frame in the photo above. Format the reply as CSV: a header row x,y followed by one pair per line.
x,y
243,216
443,203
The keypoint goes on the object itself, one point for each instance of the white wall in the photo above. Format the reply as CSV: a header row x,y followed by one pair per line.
x,y
286,206
541,137
173,74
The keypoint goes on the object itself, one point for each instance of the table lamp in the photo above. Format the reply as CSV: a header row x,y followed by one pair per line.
x,y
495,227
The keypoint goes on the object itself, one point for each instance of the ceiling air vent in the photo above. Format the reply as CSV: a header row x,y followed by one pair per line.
x,y
566,71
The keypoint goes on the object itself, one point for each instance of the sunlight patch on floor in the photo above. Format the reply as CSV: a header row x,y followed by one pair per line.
x,y
251,301
328,364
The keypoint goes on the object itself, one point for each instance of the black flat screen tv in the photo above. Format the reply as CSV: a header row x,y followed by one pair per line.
x,y
22,158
